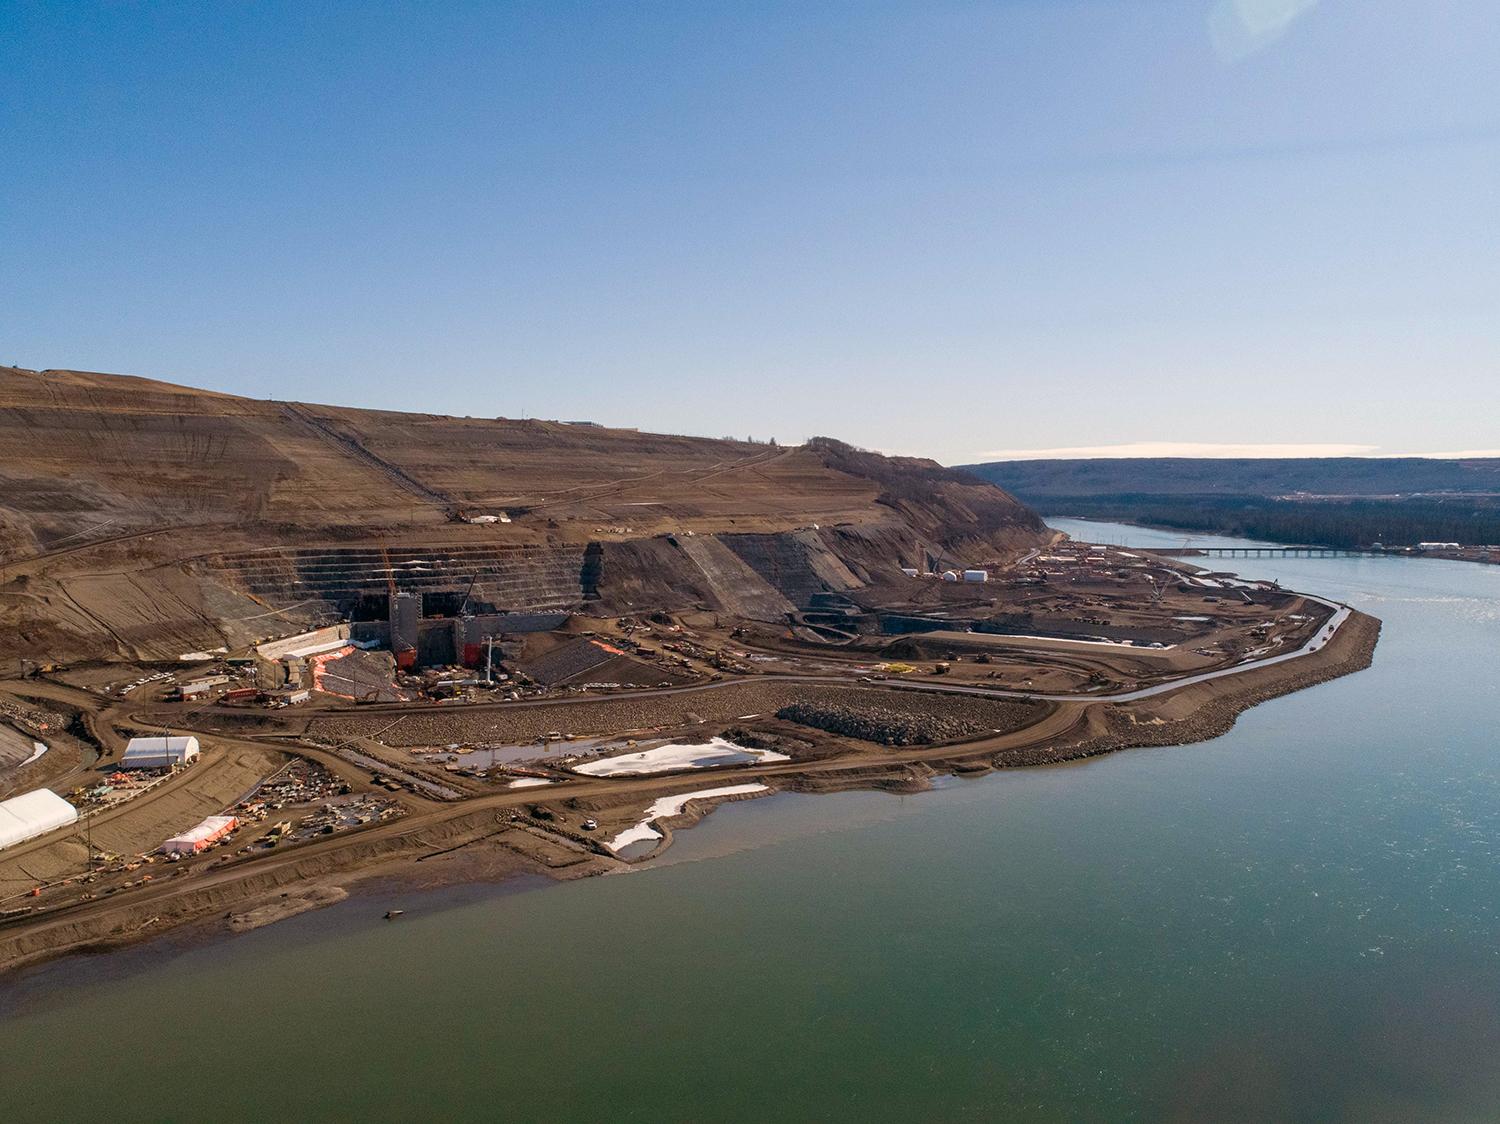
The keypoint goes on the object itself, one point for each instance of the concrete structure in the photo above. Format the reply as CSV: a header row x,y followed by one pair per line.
x,y
159,753
200,838
406,617
305,644
950,575
976,575
33,813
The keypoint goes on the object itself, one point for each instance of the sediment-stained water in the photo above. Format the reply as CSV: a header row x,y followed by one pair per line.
x,y
1299,920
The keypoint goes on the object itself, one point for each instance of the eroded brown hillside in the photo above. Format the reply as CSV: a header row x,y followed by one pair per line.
x,y
147,519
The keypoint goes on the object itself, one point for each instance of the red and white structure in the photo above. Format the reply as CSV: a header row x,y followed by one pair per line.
x,y
205,835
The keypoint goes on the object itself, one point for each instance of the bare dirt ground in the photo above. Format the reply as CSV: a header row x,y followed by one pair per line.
x,y
143,823
146,526
540,830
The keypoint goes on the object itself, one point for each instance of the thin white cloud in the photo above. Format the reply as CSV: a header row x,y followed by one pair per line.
x,y
1240,28
1462,455
1177,449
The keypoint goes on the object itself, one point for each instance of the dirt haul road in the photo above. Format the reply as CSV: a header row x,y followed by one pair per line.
x,y
1063,730
60,928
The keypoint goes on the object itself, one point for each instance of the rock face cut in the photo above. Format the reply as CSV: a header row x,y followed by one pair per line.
x,y
143,519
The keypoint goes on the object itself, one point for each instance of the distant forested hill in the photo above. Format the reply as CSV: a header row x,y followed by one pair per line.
x,y
1332,476
1337,501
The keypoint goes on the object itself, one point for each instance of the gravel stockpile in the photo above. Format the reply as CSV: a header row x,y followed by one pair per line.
x,y
880,724
568,661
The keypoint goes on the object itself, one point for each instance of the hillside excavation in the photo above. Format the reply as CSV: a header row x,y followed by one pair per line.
x,y
383,685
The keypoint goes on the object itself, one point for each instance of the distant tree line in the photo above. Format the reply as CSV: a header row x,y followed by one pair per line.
x,y
1470,520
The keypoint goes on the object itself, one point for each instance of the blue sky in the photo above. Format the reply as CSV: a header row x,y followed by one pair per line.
x,y
945,229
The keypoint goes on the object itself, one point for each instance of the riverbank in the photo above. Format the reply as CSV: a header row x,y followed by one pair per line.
x,y
1484,555
490,840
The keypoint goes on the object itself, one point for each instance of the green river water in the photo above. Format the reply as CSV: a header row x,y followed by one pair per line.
x,y
1297,921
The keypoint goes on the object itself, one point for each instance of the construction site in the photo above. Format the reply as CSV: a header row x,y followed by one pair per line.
x,y
492,646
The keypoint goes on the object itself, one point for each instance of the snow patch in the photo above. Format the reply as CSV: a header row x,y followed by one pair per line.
x,y
669,806
665,758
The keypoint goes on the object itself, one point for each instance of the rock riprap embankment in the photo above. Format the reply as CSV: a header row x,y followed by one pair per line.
x,y
880,724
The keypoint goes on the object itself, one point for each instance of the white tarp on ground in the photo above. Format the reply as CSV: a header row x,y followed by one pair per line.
x,y
33,813
159,753
197,838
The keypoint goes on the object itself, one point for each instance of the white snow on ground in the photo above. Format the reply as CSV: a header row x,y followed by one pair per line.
x,y
37,749
669,806
528,782
665,758
1151,647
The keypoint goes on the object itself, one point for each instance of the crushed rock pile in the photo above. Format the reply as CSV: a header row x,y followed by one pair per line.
x,y
880,724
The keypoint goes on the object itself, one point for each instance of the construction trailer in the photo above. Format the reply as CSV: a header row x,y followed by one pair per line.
x,y
159,753
197,688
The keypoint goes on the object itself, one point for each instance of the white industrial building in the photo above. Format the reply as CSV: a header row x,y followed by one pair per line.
x,y
33,813
159,753
976,575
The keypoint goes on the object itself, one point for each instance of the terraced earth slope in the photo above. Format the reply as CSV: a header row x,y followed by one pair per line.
x,y
146,519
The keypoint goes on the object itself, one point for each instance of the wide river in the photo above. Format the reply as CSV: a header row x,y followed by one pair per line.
x,y
1300,920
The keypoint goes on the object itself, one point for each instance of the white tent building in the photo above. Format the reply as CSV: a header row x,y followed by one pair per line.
x,y
205,835
33,813
159,753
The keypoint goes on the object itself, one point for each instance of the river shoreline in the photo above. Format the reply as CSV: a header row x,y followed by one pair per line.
x,y
464,849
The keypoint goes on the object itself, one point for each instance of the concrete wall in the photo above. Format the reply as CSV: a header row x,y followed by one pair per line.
x,y
276,649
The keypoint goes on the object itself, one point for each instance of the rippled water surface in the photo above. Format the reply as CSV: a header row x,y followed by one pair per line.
x,y
1295,921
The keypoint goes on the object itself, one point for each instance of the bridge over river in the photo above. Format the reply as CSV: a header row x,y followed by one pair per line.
x,y
1260,551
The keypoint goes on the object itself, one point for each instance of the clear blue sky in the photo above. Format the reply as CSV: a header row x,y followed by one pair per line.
x,y
944,229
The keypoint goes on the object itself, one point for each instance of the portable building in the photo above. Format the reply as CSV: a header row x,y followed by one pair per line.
x,y
205,835
33,813
197,688
159,753
976,575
